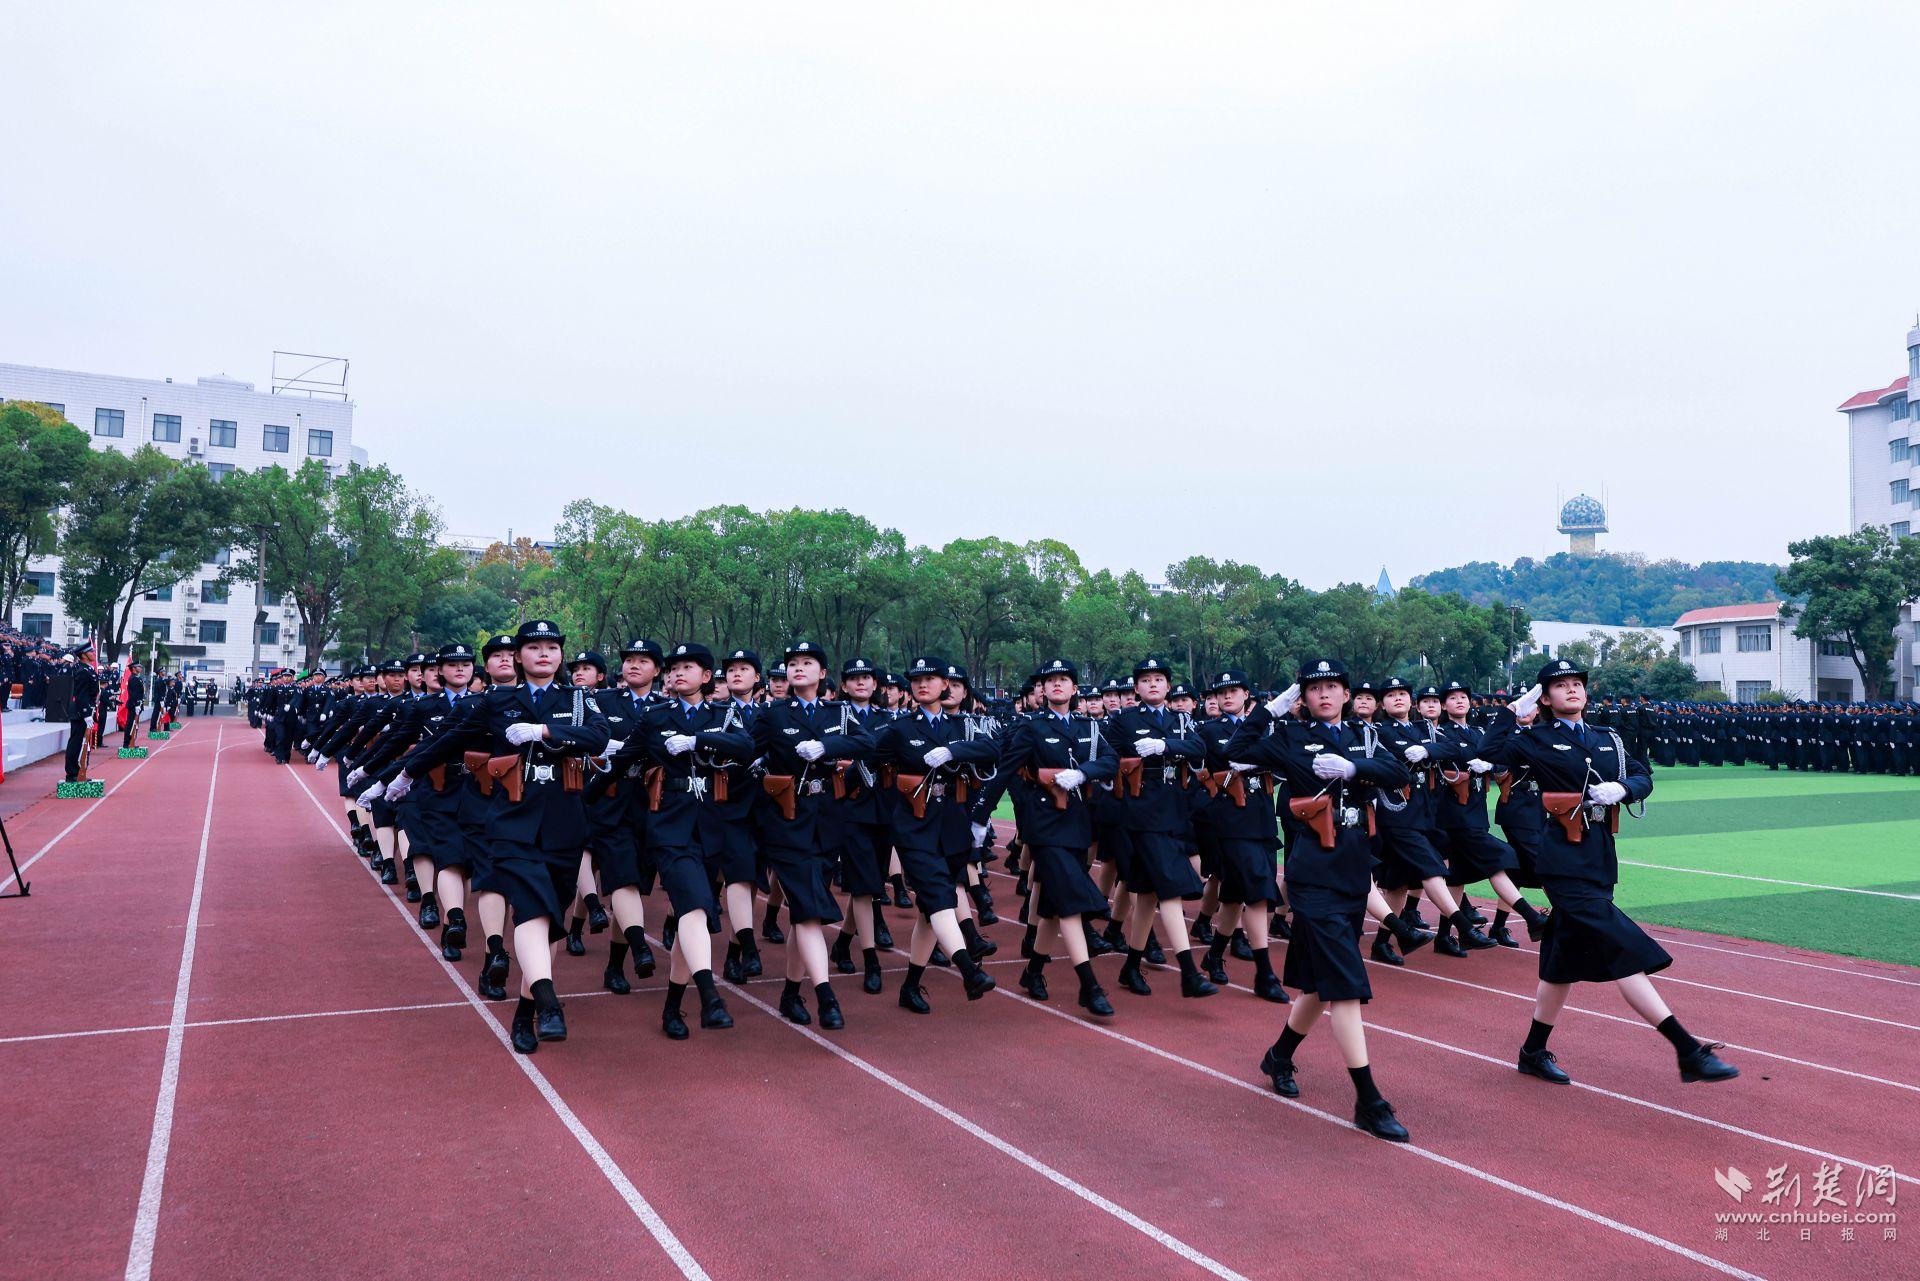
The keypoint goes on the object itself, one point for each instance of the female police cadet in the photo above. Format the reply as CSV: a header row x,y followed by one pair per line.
x,y
1585,774
801,738
1242,820
536,825
866,841
617,815
1474,853
928,752
1056,754
1332,773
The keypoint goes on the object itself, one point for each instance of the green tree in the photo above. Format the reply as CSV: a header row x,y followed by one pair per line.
x,y
42,455
398,566
135,523
1850,587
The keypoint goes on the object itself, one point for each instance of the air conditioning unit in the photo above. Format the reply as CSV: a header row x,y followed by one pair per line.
x,y
192,607
193,445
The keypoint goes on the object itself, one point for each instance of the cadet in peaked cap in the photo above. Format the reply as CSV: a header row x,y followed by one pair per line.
x,y
643,648
456,652
588,658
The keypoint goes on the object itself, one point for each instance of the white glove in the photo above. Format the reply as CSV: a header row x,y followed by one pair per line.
x,y
1416,754
1479,766
979,833
1069,778
811,750
680,744
523,732
312,757
1285,701
372,794
321,762
937,757
614,747
1607,793
1150,746
1241,767
355,777
1333,765
401,785
1526,703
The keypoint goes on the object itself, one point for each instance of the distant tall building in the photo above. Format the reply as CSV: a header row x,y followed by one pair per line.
x,y
1883,445
1582,520
1384,586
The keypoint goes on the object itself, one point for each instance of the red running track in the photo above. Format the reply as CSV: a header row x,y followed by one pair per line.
x,y
232,1054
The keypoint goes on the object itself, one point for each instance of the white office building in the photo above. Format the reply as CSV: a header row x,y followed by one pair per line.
x,y
223,424
1749,650
1883,445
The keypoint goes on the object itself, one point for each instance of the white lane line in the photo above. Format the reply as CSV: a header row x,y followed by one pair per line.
x,y
1413,1149
1159,1236
146,1222
84,814
642,1208
1783,960
1769,880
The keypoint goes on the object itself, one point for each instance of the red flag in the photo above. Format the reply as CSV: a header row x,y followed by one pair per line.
x,y
126,688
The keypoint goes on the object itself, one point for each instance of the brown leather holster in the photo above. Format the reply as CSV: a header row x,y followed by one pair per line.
x,y
1316,812
1127,781
1045,779
476,763
1506,785
779,788
1233,785
573,774
656,783
912,787
1461,781
507,771
438,777
1565,806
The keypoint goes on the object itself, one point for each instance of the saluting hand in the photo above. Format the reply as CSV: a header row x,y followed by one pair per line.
x,y
1285,701
1526,704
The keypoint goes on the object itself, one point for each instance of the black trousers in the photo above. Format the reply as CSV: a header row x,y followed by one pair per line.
x,y
76,741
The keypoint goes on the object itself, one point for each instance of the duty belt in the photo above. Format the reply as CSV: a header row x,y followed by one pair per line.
x,y
696,785
813,787
539,773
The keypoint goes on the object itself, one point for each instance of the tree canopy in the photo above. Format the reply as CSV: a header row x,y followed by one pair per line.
x,y
1852,587
1625,591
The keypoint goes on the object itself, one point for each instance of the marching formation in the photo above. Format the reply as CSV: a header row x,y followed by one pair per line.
x,y
550,796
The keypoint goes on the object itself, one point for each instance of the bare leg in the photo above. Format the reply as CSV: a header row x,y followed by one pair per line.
x,y
1645,999
809,952
493,912
1551,997
1349,1031
451,886
738,903
1140,921
1073,938
946,927
1442,901
691,940
629,908
920,946
536,959
1173,919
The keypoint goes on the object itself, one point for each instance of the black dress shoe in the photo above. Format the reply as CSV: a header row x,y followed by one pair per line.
x,y
1447,947
794,1010
597,920
1115,937
551,1023
387,875
1535,931
872,982
1094,1001
939,957
987,915
750,964
1097,944
1280,1072
1238,947
984,948
1134,981
1382,950
1503,936
615,982
732,970
576,946
455,934
1196,984
1269,988
1278,927
843,963
713,1014
1378,1120
495,972
882,936
450,953
1034,984
1704,1065
831,1019
674,1024
900,899
429,917
914,997
491,991
978,984
524,1039
770,931
1203,932
1476,916
1157,955
643,961
1217,973
1540,1063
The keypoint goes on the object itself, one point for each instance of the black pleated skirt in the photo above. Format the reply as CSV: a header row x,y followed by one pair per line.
x,y
1156,863
536,883
1475,855
805,879
1589,940
1407,857
1247,871
1323,956
1065,887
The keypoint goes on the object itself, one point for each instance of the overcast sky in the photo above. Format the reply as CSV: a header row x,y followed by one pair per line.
x,y
1316,287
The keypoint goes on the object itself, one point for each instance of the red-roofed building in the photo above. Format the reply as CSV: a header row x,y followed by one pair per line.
x,y
1883,446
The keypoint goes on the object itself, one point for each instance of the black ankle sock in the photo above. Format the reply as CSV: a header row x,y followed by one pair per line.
x,y
744,938
616,955
1363,1085
1136,957
1037,963
1084,972
1393,925
964,962
1262,963
1216,950
1462,921
1187,965
914,974
772,916
523,1008
1677,1036
592,902
823,994
636,937
495,943
1289,1042
970,931
575,926
1500,918
790,989
429,897
1205,918
704,981
871,955
675,991
1528,913
1537,1037
1029,939
543,995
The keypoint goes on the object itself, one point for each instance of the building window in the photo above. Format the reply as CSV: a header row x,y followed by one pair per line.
x,y
1686,644
163,593
213,592
37,582
274,439
58,409
1897,451
1835,649
109,422
1898,491
1902,529
1899,407
320,443
1709,640
269,633
166,428
40,625
1749,691
1754,638
223,557
161,627
223,432
219,471
213,631
1913,363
